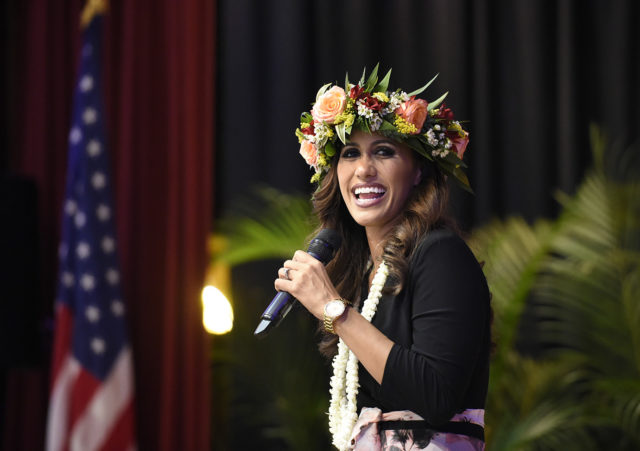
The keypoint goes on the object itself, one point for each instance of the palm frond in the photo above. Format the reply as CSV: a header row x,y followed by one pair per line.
x,y
533,407
512,252
583,280
270,225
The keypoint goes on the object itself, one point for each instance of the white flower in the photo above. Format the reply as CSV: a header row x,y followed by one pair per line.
x,y
395,99
344,382
376,122
363,110
321,135
431,138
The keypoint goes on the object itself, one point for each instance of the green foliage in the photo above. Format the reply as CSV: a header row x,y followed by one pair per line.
x,y
270,225
421,90
580,277
277,387
384,84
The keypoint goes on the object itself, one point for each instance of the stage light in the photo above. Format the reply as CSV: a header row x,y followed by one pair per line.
x,y
217,315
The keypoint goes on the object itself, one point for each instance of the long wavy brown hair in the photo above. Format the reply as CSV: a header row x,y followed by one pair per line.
x,y
426,209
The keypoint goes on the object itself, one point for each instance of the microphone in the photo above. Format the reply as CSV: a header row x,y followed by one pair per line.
x,y
322,248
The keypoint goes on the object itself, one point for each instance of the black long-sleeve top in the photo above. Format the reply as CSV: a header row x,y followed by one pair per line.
x,y
440,326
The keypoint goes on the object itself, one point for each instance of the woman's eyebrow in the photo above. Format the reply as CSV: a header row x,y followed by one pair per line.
x,y
377,141
382,141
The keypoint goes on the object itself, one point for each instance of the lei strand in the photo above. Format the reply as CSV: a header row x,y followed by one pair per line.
x,y
344,382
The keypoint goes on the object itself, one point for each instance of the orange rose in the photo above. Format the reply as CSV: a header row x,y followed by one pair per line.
x,y
309,152
413,111
329,105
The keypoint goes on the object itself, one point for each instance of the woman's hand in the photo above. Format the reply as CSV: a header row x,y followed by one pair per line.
x,y
306,278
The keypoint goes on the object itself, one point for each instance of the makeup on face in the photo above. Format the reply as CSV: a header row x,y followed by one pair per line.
x,y
376,175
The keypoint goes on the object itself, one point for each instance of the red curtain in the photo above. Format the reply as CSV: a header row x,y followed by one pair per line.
x,y
159,83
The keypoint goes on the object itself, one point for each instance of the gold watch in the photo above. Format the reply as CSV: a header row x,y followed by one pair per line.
x,y
333,310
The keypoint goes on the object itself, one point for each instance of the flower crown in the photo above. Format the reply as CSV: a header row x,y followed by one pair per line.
x,y
427,128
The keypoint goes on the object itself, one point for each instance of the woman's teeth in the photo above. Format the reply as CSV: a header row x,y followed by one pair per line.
x,y
369,192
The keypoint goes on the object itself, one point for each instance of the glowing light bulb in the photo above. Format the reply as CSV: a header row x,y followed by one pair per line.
x,y
217,313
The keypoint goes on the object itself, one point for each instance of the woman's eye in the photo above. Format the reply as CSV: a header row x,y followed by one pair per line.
x,y
350,152
385,151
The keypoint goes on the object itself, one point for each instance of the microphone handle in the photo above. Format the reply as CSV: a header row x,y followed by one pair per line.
x,y
279,307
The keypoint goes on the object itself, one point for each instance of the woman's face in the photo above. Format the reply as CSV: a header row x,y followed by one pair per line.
x,y
376,175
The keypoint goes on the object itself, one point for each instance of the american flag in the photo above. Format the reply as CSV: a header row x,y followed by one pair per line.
x,y
91,402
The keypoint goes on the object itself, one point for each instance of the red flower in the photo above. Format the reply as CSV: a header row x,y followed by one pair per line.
x,y
356,92
445,113
371,102
308,130
459,142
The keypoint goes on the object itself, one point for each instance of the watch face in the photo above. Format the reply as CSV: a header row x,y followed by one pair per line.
x,y
335,308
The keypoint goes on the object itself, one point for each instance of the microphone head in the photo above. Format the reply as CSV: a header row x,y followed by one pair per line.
x,y
324,245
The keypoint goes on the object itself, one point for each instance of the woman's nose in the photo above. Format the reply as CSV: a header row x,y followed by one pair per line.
x,y
365,168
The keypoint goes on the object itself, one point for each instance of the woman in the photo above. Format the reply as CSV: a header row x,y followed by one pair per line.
x,y
411,354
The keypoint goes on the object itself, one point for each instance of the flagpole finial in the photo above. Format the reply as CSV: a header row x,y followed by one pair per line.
x,y
91,9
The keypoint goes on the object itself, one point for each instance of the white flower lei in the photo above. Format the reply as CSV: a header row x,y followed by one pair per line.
x,y
344,382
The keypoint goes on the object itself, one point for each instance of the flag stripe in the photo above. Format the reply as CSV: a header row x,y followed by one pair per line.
x,y
57,425
109,402
120,437
84,389
62,344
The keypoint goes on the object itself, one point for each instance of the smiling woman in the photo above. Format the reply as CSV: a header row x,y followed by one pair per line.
x,y
404,304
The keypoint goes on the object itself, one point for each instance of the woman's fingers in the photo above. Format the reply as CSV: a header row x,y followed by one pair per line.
x,y
305,278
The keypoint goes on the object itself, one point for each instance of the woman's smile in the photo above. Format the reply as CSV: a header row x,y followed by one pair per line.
x,y
368,194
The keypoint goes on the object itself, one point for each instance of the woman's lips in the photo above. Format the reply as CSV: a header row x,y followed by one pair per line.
x,y
367,195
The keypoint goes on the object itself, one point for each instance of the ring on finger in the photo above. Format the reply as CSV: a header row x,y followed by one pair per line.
x,y
286,273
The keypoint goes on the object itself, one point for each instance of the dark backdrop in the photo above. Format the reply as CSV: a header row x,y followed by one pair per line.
x,y
529,75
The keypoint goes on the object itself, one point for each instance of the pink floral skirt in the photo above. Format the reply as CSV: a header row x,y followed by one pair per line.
x,y
376,431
